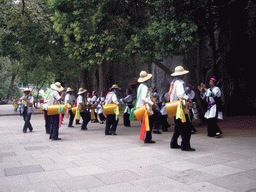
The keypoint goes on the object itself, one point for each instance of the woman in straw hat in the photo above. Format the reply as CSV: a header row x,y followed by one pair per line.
x,y
143,97
111,122
28,101
85,114
69,100
55,99
176,93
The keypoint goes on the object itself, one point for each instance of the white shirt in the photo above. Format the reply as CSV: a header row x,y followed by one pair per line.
x,y
127,99
54,97
164,99
68,98
144,97
111,98
80,100
29,98
178,91
209,96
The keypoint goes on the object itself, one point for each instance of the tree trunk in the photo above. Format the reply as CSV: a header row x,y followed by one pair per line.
x,y
163,67
102,77
11,86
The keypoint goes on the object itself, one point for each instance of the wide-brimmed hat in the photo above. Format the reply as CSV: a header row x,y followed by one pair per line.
x,y
179,70
81,91
144,76
114,87
69,89
57,86
26,90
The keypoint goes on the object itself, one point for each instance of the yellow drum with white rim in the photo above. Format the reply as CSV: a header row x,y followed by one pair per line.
x,y
109,109
139,113
54,109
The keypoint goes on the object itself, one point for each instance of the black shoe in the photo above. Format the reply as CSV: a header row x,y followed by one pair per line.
x,y
24,131
57,139
176,147
31,130
108,134
149,141
78,123
84,129
114,134
157,132
188,149
71,126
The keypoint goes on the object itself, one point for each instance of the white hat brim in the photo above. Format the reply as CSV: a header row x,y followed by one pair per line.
x,y
143,79
53,86
180,73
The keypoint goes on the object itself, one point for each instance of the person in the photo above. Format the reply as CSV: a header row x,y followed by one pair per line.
x,y
128,106
75,104
163,100
100,103
70,102
28,101
143,97
193,113
85,114
20,106
94,110
111,122
46,116
214,109
55,98
157,113
176,93
15,103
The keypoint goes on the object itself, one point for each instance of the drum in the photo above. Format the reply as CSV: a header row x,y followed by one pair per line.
x,y
74,110
171,108
54,109
109,109
139,113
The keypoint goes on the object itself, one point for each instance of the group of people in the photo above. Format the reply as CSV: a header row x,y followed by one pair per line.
x,y
90,107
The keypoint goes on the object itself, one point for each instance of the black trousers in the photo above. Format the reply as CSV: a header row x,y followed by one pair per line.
x,y
102,117
26,118
183,129
165,124
111,124
71,118
152,120
54,126
157,120
47,122
212,127
86,116
127,120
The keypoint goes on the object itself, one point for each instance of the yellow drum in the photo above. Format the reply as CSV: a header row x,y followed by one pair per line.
x,y
74,110
109,109
53,109
139,113
171,108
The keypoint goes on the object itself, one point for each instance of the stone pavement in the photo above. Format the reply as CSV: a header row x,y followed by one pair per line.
x,y
89,161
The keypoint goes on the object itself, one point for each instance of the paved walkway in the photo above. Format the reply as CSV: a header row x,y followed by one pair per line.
x,y
89,161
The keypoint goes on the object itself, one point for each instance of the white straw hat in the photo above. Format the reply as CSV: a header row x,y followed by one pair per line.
x,y
57,86
179,70
26,89
114,87
81,91
69,89
144,76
